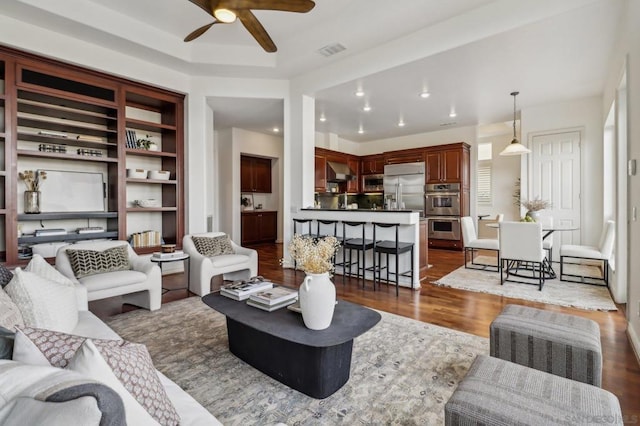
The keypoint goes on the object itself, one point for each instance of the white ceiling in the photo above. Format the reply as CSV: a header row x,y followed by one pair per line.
x,y
551,51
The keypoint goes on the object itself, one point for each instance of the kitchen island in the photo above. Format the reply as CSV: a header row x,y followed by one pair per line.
x,y
412,229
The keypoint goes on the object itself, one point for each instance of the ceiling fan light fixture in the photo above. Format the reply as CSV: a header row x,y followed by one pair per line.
x,y
224,15
515,147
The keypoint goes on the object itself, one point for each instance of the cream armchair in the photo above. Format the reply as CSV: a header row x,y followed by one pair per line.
x,y
242,264
139,286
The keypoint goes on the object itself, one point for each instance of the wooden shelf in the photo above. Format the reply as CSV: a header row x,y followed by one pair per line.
x,y
68,215
151,209
65,156
69,101
154,181
65,141
148,125
65,113
58,126
147,153
67,237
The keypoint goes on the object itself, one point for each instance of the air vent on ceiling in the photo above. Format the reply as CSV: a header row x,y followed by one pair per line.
x,y
331,49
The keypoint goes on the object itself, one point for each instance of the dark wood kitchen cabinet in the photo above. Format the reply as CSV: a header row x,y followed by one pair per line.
x,y
255,174
259,227
449,165
414,155
320,173
353,186
372,164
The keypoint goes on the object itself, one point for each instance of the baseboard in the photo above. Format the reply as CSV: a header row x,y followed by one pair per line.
x,y
635,341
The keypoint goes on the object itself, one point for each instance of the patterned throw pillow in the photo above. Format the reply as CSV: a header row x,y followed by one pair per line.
x,y
213,246
91,262
10,315
43,302
5,275
130,362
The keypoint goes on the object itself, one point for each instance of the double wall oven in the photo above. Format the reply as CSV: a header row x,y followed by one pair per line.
x,y
442,209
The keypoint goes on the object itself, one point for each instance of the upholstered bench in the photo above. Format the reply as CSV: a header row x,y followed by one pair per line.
x,y
560,344
498,392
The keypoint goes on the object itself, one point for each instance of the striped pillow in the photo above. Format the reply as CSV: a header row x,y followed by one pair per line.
x,y
213,246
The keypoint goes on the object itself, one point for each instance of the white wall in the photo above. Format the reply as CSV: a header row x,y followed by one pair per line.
x,y
628,49
224,188
505,170
586,115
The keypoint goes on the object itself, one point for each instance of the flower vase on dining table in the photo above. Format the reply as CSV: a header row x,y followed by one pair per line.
x,y
317,296
535,215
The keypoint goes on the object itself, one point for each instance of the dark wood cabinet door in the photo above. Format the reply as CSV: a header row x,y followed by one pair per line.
x,y
246,175
262,175
452,163
404,157
434,166
354,185
320,173
249,228
268,226
255,174
372,165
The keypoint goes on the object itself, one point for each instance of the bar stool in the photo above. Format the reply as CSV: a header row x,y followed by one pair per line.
x,y
388,247
330,224
360,245
301,222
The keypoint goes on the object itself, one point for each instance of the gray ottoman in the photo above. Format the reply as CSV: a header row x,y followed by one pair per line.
x,y
561,344
497,392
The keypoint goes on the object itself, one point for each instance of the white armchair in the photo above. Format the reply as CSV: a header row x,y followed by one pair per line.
x,y
140,286
242,264
601,253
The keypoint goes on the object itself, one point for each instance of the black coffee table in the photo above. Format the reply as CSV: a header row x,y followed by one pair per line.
x,y
314,362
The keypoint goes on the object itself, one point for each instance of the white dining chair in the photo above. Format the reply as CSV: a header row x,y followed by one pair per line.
x,y
601,253
547,243
521,253
472,243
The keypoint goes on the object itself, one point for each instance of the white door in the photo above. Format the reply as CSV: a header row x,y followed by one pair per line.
x,y
556,177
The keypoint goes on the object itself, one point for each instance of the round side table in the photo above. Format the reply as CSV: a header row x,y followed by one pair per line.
x,y
185,258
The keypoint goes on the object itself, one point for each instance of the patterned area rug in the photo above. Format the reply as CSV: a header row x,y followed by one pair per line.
x,y
402,371
554,292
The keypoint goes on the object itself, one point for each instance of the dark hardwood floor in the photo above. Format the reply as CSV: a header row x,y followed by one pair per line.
x,y
461,310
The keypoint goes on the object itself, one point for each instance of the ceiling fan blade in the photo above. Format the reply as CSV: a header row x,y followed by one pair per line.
x,y
198,32
256,29
300,6
206,5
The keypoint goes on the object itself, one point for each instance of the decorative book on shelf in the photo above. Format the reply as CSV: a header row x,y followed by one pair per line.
x,y
131,139
275,296
145,239
241,290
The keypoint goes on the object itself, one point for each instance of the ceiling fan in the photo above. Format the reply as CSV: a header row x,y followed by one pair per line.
x,y
226,12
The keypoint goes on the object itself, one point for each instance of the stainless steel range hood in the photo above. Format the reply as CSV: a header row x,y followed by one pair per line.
x,y
339,172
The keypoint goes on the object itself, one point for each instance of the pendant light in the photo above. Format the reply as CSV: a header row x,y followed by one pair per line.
x,y
515,147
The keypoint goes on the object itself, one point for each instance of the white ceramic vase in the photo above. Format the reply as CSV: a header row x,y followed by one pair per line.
x,y
535,215
317,296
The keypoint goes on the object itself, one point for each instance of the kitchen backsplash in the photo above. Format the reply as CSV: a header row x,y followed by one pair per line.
x,y
334,201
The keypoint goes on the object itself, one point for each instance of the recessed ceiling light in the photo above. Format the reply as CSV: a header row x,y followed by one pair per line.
x,y
401,123
366,108
323,118
276,130
359,93
452,114
360,130
425,94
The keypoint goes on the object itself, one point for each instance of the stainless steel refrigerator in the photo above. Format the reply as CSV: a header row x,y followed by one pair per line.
x,y
404,187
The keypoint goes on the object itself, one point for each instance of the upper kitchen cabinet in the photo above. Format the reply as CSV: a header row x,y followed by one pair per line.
x,y
320,173
372,164
353,186
448,164
255,174
404,156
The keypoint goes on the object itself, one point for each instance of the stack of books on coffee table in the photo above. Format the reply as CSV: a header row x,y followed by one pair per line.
x,y
276,298
241,290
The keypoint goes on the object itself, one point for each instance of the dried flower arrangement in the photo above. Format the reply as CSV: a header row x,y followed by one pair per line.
x,y
313,255
535,204
33,180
